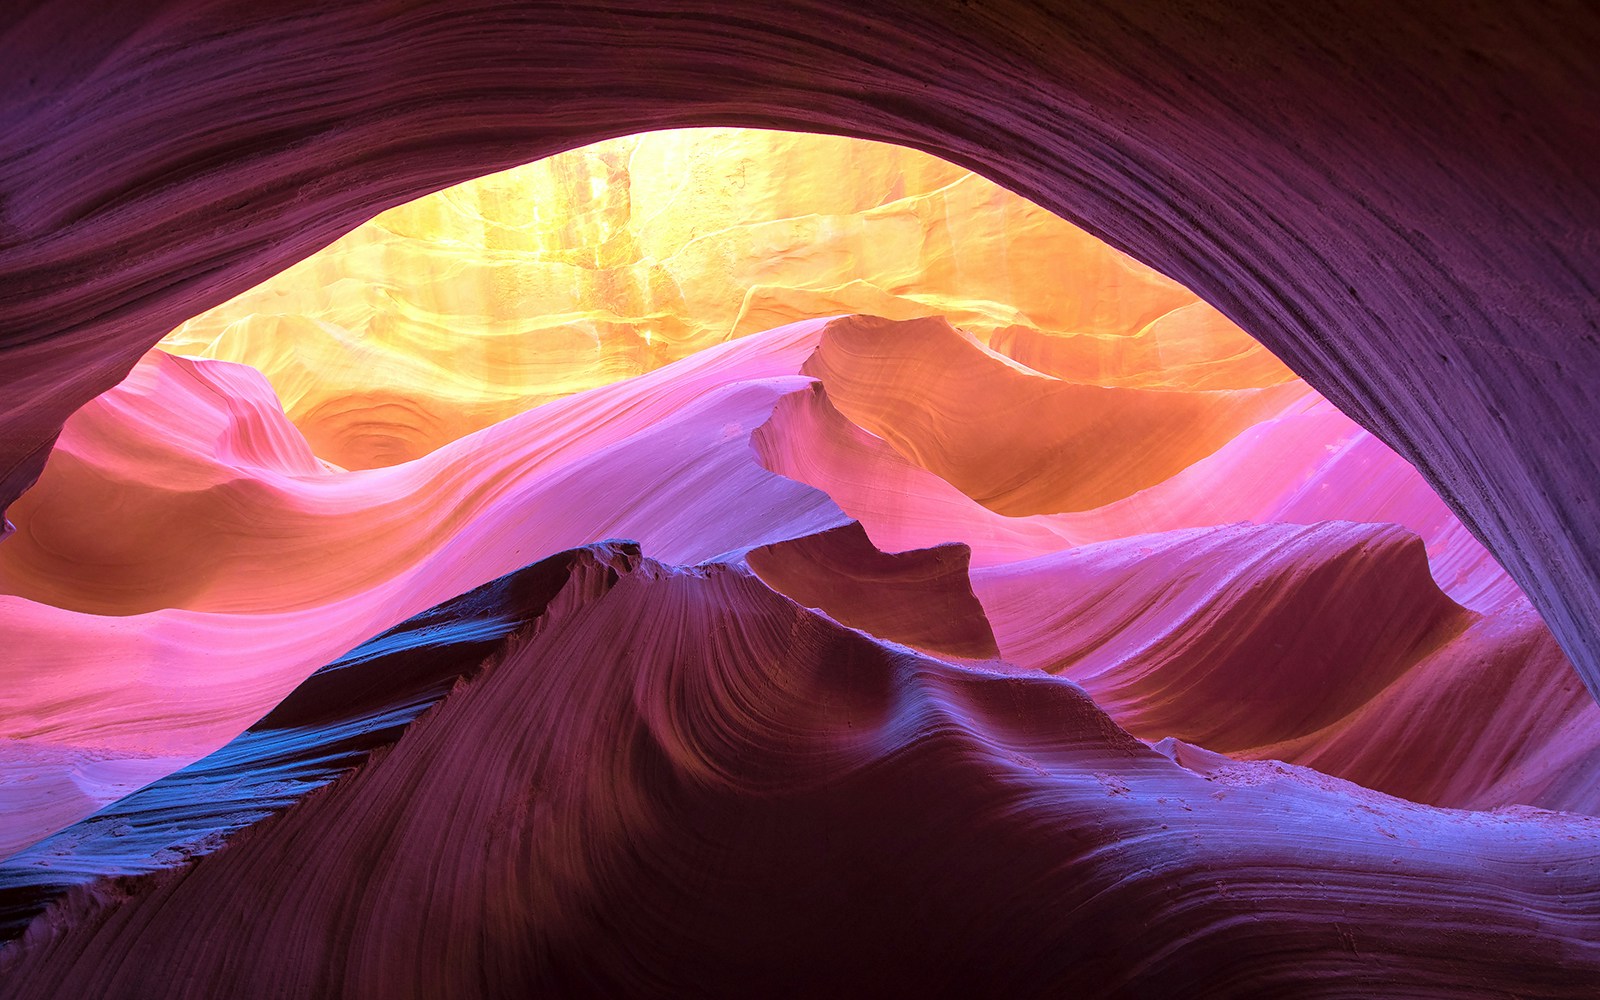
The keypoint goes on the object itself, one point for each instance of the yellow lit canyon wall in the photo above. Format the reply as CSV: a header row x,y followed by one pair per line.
x,y
453,312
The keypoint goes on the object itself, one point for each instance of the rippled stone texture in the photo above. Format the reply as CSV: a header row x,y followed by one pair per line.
x,y
1395,200
297,563
760,786
733,450
848,745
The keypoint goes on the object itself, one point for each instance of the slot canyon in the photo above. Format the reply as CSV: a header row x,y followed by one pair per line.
x,y
697,499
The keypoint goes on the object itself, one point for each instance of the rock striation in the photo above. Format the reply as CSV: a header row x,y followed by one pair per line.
x,y
675,781
1396,202
980,624
207,577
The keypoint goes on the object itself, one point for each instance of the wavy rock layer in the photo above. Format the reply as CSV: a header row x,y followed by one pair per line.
x,y
211,501
1302,464
773,787
845,709
1396,201
210,636
1325,644
921,598
348,710
712,456
1019,443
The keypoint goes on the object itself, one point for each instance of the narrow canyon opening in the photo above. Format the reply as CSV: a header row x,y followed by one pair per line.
x,y
869,381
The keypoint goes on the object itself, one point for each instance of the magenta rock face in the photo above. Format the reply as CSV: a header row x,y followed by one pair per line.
x,y
781,683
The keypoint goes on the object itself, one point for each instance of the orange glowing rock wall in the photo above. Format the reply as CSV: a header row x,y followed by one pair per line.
x,y
448,314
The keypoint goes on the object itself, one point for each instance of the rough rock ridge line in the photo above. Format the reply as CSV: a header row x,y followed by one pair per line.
x,y
337,718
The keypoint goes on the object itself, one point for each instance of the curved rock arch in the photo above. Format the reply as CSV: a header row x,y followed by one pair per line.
x,y
1399,203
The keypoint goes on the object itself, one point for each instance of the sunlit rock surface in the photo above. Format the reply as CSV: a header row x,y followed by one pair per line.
x,y
448,314
1017,442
